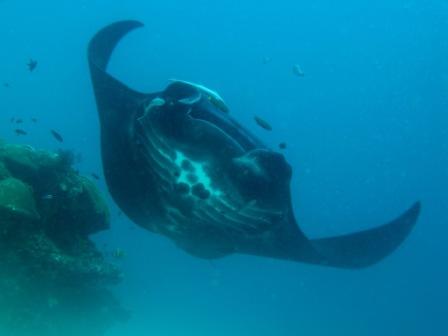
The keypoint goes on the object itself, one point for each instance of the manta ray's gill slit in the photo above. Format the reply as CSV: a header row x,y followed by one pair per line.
x,y
193,174
223,222
154,139
158,162
157,152
227,212
235,223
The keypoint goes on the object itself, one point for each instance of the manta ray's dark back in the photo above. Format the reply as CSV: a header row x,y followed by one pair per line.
x,y
179,165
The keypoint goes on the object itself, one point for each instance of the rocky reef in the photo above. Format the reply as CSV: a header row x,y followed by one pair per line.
x,y
53,280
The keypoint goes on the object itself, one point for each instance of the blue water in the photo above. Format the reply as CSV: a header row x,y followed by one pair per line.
x,y
366,130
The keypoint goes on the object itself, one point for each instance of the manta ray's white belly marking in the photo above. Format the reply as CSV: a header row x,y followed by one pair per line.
x,y
192,172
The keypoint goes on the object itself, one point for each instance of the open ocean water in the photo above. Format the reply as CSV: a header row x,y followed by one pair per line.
x,y
366,129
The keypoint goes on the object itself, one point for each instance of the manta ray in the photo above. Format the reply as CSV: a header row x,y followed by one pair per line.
x,y
178,164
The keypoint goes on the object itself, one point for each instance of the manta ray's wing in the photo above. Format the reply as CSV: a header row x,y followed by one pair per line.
x,y
117,106
356,250
113,98
266,174
367,247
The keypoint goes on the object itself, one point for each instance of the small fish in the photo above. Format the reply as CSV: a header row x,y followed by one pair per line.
x,y
118,253
12,119
6,85
267,59
48,197
57,136
19,121
95,176
282,145
32,64
34,120
263,123
297,70
19,131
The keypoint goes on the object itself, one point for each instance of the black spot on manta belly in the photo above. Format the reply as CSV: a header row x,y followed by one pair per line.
x,y
182,188
199,191
187,166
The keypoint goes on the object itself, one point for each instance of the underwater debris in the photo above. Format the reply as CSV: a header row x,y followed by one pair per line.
x,y
57,136
263,123
32,64
49,268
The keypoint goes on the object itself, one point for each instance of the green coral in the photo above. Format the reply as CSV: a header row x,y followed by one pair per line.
x,y
4,172
83,207
17,201
21,161
48,265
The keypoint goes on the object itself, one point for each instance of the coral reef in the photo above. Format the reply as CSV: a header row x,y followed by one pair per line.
x,y
53,280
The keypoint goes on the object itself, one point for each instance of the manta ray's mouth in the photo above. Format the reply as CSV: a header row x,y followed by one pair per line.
x,y
197,100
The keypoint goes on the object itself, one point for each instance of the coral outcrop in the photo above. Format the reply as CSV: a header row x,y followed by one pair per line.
x,y
53,280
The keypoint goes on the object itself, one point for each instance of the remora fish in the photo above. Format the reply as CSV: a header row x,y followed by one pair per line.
x,y
211,95
239,200
263,123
